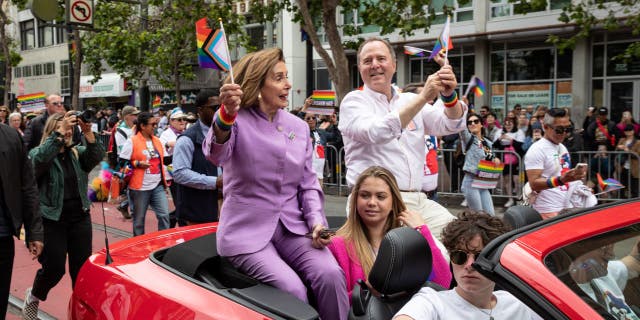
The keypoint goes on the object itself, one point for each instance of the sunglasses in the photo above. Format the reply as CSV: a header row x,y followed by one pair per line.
x,y
180,119
460,257
309,119
56,103
470,122
561,130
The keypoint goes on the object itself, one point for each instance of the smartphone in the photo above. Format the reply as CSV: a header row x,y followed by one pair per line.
x,y
581,166
324,234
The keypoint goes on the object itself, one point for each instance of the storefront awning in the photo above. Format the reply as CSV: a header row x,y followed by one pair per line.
x,y
111,85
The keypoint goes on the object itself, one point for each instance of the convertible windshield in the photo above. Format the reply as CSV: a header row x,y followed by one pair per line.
x,y
603,271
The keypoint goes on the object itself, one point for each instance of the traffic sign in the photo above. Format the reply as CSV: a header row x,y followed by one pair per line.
x,y
80,12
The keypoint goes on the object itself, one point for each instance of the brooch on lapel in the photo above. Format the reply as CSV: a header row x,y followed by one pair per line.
x,y
292,135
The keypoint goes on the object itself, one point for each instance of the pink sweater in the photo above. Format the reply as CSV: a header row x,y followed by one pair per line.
x,y
353,272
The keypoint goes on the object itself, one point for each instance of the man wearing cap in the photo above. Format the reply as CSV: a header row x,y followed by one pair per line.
x,y
198,180
122,134
177,124
33,133
601,132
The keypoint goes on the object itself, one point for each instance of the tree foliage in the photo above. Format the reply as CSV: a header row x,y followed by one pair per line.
x,y
10,55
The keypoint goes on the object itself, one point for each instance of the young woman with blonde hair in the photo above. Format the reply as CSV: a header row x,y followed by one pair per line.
x,y
377,207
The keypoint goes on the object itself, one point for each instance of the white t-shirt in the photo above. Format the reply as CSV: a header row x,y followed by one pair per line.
x,y
448,305
552,159
152,176
318,156
611,287
168,136
120,139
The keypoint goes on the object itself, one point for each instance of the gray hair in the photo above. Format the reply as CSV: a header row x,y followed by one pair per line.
x,y
15,114
374,39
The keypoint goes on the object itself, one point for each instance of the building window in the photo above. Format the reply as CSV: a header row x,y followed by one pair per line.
x,y
45,34
50,68
503,8
357,22
256,35
461,12
17,72
27,35
37,69
321,80
65,85
530,73
61,35
26,71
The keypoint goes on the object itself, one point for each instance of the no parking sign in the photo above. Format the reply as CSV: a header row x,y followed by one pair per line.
x,y
80,12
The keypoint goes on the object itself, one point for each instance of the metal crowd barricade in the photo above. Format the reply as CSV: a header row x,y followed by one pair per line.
x,y
104,139
609,165
334,173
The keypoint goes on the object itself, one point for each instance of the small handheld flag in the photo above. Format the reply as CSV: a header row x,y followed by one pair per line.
x,y
443,42
607,185
478,87
413,51
213,51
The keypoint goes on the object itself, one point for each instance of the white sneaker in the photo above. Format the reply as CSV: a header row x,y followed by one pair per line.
x,y
464,203
509,203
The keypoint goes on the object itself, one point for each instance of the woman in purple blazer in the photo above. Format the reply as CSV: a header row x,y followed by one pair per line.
x,y
272,195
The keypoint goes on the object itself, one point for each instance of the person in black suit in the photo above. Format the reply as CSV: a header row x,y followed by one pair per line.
x,y
33,133
18,205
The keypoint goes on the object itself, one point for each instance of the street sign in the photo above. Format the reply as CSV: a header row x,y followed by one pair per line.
x,y
80,12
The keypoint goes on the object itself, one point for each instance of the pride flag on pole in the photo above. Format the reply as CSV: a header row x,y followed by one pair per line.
x,y
413,51
609,184
477,85
444,40
213,51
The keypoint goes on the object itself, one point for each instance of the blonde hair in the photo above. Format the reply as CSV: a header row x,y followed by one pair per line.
x,y
251,71
355,232
50,125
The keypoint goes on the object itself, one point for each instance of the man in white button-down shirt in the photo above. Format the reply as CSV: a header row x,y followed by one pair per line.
x,y
381,126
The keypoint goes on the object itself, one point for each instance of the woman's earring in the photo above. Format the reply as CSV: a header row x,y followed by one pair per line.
x,y
259,96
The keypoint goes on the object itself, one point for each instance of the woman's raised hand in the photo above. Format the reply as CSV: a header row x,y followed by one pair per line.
x,y
230,97
411,219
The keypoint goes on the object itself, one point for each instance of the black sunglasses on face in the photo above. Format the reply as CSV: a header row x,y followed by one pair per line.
x,y
474,121
561,130
460,257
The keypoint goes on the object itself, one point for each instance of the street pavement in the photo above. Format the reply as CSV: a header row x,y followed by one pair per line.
x,y
24,268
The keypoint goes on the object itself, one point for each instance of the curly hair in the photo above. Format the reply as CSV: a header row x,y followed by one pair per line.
x,y
470,224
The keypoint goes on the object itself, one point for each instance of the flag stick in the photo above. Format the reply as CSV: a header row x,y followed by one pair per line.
x,y
446,46
466,93
227,45
599,193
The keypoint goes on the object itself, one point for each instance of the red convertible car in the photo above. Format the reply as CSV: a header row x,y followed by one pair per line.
x,y
582,265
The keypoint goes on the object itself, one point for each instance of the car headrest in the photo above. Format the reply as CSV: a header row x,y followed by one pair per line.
x,y
520,216
403,262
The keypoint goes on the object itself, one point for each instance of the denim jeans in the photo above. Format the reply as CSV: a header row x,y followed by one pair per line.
x,y
157,199
477,199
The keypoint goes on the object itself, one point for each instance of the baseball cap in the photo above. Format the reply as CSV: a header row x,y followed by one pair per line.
x,y
177,113
603,110
129,110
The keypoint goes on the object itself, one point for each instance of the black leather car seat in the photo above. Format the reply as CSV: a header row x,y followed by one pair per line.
x,y
520,216
401,268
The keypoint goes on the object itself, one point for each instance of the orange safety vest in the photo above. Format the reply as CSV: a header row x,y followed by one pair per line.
x,y
139,145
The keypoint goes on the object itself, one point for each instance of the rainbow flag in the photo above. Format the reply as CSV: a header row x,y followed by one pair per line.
x,y
323,95
156,101
476,85
416,52
31,97
443,41
609,184
31,102
212,47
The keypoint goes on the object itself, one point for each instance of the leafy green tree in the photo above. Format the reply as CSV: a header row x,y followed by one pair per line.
x,y
10,56
162,45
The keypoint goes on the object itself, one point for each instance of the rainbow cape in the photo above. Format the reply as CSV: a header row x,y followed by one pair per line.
x,y
212,47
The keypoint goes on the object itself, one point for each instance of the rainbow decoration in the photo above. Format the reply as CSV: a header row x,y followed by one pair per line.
x,y
444,41
156,101
212,47
323,95
416,52
609,184
31,102
477,86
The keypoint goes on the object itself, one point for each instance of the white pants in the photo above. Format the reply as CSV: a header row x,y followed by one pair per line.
x,y
435,216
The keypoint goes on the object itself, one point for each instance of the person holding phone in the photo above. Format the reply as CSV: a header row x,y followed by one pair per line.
x,y
376,207
548,166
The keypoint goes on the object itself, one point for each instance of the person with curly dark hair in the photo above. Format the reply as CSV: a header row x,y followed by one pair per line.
x,y
473,297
